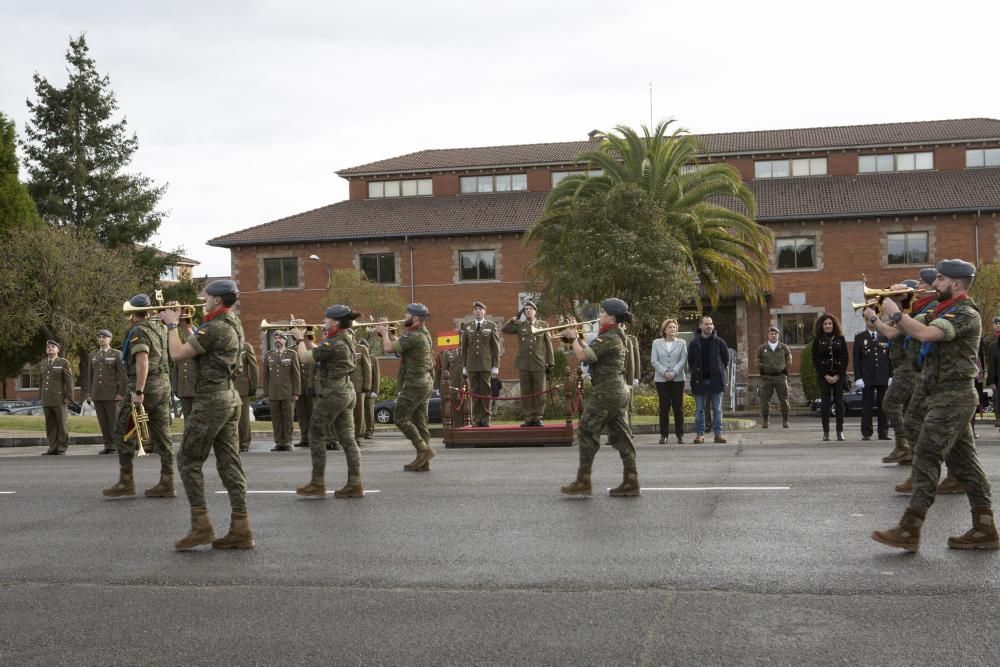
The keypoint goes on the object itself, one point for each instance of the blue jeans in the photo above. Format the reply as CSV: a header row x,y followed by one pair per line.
x,y
699,413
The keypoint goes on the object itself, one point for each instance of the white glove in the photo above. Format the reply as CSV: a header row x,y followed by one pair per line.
x,y
635,383
374,394
859,383
465,372
494,372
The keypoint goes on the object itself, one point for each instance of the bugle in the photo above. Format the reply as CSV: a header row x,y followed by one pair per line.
x,y
187,309
269,326
139,428
393,325
588,326
874,297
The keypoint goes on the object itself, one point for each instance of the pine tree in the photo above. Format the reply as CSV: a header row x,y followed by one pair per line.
x,y
16,207
77,155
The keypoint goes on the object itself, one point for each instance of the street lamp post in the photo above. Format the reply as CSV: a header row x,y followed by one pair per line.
x,y
329,271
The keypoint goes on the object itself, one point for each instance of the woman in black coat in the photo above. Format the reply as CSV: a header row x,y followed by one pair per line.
x,y
830,358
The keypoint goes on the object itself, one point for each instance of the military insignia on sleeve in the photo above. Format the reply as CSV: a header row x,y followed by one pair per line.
x,y
596,341
135,339
201,332
948,316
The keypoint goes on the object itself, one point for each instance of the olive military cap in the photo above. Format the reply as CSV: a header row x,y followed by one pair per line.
x,y
104,332
530,304
53,342
477,304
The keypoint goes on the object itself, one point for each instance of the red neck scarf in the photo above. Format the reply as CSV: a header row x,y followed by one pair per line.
x,y
333,331
919,304
215,313
945,305
605,329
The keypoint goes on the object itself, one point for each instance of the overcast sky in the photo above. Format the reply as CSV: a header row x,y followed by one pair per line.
x,y
246,108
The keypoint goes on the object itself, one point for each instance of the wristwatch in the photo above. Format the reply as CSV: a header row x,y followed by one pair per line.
x,y
896,317
137,392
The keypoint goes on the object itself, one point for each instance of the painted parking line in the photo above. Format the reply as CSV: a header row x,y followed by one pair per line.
x,y
7,493
281,492
715,488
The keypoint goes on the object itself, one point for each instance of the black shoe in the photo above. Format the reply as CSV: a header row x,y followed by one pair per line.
x,y
680,440
840,436
281,448
106,450
302,444
527,424
663,440
49,453
538,423
244,450
58,452
369,435
865,437
826,437
884,436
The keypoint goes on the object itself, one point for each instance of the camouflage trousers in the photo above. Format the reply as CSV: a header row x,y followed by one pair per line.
x,y
897,398
334,414
213,426
946,435
773,384
606,412
411,413
156,400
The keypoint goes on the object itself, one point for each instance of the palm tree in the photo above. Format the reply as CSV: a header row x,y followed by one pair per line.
x,y
705,207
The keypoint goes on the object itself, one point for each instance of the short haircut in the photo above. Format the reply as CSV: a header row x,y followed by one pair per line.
x,y
228,299
669,320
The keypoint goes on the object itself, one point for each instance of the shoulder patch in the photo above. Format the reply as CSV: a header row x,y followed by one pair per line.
x,y
135,339
597,340
200,332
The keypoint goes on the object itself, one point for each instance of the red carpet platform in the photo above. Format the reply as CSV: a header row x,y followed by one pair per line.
x,y
510,435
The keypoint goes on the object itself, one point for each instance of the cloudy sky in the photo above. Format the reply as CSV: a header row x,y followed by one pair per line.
x,y
246,108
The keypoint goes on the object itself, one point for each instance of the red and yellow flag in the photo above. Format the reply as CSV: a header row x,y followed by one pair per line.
x,y
447,340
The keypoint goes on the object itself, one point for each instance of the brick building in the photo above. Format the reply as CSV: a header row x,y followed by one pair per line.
x,y
446,226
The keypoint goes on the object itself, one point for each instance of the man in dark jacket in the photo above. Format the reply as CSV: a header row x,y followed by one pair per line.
x,y
872,371
708,358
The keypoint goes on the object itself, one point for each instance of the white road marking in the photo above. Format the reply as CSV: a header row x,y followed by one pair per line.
x,y
329,493
8,493
715,488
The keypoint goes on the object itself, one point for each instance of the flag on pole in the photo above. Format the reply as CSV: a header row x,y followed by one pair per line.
x,y
447,340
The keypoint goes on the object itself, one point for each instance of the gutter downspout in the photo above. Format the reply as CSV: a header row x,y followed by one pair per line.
x,y
979,214
413,296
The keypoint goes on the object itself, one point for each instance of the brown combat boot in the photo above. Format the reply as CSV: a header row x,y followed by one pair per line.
x,y
904,536
412,464
899,452
125,486
629,486
315,488
907,457
784,422
423,461
163,489
579,487
239,536
949,485
201,531
353,488
766,423
906,486
982,535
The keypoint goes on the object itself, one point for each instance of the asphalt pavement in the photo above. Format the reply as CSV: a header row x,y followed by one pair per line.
x,y
752,552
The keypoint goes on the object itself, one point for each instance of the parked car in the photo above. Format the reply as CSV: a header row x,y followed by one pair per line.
x,y
261,410
38,410
8,405
852,401
386,410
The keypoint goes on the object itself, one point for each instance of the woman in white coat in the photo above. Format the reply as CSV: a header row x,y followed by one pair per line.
x,y
669,357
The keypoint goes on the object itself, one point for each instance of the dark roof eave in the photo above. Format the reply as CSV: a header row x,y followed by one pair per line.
x,y
874,147
873,214
345,173
313,239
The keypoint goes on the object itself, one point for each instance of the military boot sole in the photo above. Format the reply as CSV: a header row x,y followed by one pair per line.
x,y
574,490
904,487
311,491
890,540
160,493
226,543
192,541
954,543
350,492
115,492
624,493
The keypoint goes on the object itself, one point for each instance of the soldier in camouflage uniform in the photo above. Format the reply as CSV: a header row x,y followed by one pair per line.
x,y
608,404
416,382
949,345
773,360
55,390
333,409
147,371
361,380
246,385
104,386
534,361
217,347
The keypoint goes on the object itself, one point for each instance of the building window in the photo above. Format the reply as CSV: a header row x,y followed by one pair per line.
x,y
814,166
169,274
414,187
281,272
868,164
795,253
796,328
380,268
478,264
909,248
558,176
28,378
497,183
982,157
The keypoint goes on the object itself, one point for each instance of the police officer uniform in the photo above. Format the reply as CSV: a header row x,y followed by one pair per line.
x,y
282,386
55,390
534,363
873,368
480,345
104,385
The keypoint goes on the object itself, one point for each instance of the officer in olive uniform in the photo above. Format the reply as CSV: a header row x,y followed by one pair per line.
x,y
480,345
184,374
333,409
213,426
147,372
104,385
55,391
282,387
534,361
949,345
451,361
371,397
607,407
872,371
304,406
246,385
361,379
773,360
416,381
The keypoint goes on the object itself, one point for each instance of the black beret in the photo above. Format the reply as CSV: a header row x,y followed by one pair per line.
x,y
476,304
418,309
53,342
339,311
221,288
956,268
140,301
530,304
911,283
614,306
928,275
104,332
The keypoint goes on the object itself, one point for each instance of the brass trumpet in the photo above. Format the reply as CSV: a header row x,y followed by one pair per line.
x,y
267,326
392,324
187,309
582,327
874,297
140,428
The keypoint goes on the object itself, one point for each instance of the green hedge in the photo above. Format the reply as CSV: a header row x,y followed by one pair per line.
x,y
649,404
807,373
